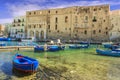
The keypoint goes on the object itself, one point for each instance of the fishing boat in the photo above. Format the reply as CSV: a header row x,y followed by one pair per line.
x,y
108,52
84,42
38,49
78,46
24,63
5,39
55,48
118,49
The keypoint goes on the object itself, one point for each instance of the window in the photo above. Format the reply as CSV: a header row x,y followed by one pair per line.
x,y
69,28
56,12
58,31
106,33
55,27
95,9
56,19
34,12
85,32
66,19
106,28
104,20
14,25
99,8
86,18
34,26
21,30
99,31
94,32
39,26
23,20
49,11
19,20
94,19
48,26
22,24
29,13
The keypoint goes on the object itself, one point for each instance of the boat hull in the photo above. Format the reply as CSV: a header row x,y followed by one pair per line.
x,y
25,64
55,48
78,46
108,53
38,49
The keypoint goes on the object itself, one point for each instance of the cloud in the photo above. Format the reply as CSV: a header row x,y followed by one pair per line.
x,y
20,8
8,20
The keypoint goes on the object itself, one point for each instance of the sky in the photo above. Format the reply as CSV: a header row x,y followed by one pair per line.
x,y
13,8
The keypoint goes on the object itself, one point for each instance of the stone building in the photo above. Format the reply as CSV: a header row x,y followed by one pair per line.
x,y
84,23
2,28
115,23
7,29
18,27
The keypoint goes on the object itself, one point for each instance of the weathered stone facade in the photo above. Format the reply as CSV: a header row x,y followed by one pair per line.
x,y
18,28
84,23
115,23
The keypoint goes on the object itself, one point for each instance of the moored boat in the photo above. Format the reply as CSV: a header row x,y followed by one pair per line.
x,y
5,39
55,48
108,52
24,63
38,49
78,46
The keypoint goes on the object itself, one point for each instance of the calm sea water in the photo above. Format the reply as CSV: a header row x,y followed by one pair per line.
x,y
5,65
6,72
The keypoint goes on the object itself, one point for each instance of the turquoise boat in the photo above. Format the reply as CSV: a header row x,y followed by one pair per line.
x,y
53,48
24,63
78,46
108,52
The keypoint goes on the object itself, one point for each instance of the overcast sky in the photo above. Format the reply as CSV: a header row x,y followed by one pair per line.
x,y
12,8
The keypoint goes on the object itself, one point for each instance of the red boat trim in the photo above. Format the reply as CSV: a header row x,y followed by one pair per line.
x,y
24,70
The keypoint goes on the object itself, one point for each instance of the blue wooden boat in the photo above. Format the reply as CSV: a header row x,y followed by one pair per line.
x,y
38,49
118,50
108,52
24,63
55,48
84,42
78,46
5,39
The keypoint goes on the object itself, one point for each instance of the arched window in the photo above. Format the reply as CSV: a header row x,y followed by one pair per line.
x,y
56,19
85,32
66,19
55,27
94,32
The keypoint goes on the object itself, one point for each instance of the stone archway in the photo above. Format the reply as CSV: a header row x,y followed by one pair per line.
x,y
42,34
31,33
37,35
